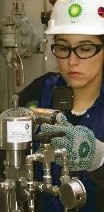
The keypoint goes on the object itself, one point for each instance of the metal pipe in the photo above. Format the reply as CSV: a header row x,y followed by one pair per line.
x,y
54,190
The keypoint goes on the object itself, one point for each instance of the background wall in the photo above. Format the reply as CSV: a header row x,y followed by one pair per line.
x,y
41,60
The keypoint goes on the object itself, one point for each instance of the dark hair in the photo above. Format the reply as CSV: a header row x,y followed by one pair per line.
x,y
101,38
52,2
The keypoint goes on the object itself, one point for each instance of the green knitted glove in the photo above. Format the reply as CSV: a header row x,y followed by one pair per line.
x,y
79,142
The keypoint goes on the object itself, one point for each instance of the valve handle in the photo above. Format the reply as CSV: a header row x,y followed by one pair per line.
x,y
45,138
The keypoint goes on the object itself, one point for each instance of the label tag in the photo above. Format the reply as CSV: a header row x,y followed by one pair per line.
x,y
19,132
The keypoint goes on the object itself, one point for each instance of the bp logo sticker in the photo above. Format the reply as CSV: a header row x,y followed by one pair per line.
x,y
75,10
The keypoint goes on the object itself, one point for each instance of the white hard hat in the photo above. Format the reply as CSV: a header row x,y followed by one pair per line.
x,y
77,17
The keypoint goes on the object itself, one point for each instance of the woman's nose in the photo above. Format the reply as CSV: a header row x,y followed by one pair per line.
x,y
73,59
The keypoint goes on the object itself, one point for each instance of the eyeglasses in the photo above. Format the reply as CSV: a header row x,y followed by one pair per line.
x,y
84,51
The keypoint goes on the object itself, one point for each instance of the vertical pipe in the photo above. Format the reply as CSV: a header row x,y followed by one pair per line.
x,y
7,201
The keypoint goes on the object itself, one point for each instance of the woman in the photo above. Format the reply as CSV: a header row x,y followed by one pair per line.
x,y
76,29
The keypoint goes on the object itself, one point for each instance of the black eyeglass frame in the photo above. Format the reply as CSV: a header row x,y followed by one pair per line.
x,y
73,49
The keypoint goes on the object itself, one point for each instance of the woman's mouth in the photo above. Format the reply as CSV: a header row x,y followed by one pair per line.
x,y
74,74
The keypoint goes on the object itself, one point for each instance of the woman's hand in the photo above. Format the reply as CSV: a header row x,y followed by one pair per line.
x,y
80,142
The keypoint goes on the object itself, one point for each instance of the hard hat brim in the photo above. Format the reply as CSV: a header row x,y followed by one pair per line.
x,y
86,30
